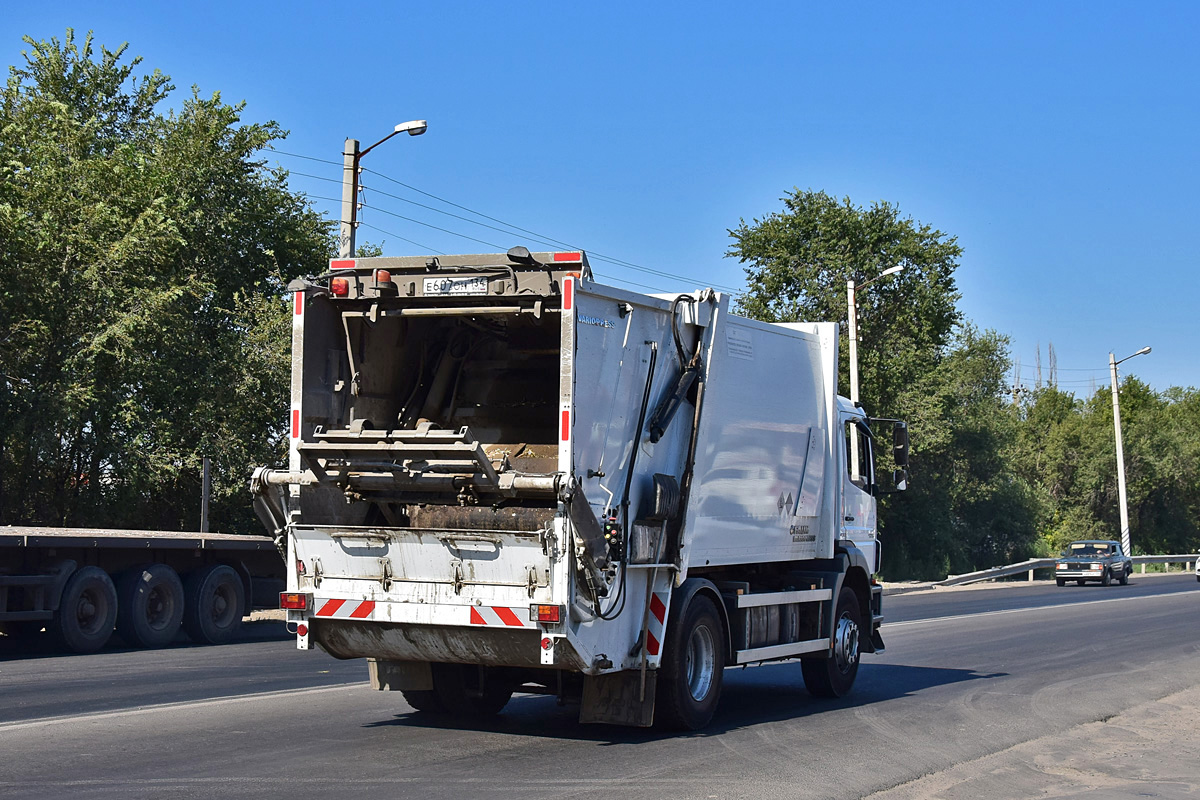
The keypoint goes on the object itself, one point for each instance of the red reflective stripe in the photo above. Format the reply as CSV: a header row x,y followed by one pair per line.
x,y
507,616
330,608
299,303
568,293
364,610
576,256
476,619
657,608
651,644
341,263
295,423
566,425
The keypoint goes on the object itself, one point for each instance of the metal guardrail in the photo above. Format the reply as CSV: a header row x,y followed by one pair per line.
x,y
1046,563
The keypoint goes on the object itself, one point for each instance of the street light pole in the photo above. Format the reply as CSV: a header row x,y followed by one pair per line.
x,y
852,328
1121,493
351,156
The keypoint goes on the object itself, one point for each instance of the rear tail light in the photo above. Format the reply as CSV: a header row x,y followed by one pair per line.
x,y
541,613
339,287
294,601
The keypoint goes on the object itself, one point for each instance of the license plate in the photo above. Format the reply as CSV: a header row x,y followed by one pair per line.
x,y
455,286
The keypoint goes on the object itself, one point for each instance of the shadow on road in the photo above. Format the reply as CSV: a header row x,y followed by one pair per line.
x,y
42,645
753,696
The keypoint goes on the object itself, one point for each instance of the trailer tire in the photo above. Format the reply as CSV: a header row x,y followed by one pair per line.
x,y
214,601
693,665
86,612
457,689
834,676
423,700
150,602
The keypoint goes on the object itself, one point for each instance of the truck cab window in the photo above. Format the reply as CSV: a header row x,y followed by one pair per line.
x,y
858,456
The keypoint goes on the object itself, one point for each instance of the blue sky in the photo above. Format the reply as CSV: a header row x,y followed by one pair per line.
x,y
1057,141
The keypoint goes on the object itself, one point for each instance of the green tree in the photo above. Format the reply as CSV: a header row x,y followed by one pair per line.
x,y
797,264
967,506
143,255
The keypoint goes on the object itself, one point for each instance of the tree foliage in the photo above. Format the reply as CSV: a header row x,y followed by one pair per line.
x,y
143,254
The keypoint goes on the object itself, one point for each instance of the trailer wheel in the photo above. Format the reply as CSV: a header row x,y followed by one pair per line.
x,y
214,601
465,690
151,605
86,612
423,700
834,676
693,666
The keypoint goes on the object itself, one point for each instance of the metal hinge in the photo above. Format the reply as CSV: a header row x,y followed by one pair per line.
x,y
317,573
385,578
458,577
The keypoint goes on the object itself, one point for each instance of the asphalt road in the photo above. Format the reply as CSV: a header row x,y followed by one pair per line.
x,y
970,678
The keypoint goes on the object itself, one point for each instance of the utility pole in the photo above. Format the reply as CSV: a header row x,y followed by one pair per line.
x,y
351,156
349,199
1121,494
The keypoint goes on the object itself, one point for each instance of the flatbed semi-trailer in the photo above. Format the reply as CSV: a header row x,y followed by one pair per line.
x,y
82,584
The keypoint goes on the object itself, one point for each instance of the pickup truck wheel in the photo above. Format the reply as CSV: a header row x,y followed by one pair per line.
x,y
86,612
693,666
463,690
150,605
1060,581
1106,578
1124,579
834,676
213,604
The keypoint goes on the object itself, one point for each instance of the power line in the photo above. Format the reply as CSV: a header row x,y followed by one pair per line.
x,y
508,228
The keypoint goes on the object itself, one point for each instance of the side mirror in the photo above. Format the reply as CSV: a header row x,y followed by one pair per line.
x,y
900,444
900,478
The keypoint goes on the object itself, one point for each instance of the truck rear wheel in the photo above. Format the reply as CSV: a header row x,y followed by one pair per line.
x,y
693,665
465,690
834,676
423,700
214,601
86,612
151,605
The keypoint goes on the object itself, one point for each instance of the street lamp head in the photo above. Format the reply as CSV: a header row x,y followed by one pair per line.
x,y
1142,352
413,127
891,270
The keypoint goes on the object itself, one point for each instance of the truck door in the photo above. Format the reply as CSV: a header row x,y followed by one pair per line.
x,y
858,504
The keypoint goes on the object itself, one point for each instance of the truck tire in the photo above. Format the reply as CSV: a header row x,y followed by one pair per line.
x,y
423,700
1124,579
1106,578
834,676
457,690
150,603
86,612
214,601
1060,581
693,665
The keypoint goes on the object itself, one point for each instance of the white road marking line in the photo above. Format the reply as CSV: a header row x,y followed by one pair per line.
x,y
215,701
1037,608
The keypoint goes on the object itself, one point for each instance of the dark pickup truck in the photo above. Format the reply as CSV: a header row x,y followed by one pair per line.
x,y
1093,560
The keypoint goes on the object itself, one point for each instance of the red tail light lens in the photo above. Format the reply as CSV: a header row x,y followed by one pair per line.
x,y
539,613
293,601
339,287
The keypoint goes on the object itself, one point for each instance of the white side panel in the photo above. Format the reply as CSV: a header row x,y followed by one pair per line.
x,y
761,481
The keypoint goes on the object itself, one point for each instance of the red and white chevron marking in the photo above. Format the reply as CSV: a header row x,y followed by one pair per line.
x,y
501,617
656,622
347,609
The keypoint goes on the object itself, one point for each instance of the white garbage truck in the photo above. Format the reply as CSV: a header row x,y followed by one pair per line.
x,y
506,477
